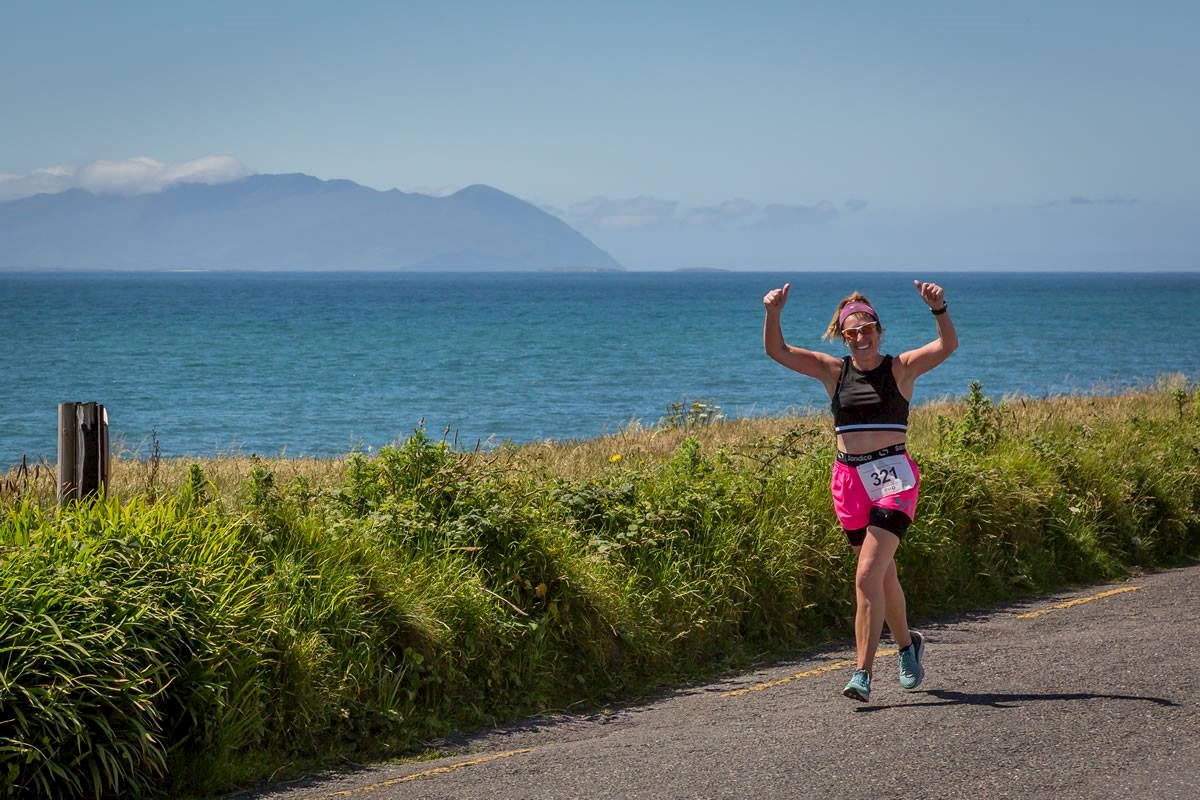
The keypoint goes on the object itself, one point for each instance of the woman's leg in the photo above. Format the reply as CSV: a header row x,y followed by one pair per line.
x,y
874,559
897,609
896,613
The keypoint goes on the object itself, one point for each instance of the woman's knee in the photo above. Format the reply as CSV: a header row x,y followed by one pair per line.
x,y
876,559
871,574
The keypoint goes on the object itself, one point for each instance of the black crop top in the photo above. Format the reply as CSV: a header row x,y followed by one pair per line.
x,y
868,401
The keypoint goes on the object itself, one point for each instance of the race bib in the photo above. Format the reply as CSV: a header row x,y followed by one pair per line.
x,y
886,476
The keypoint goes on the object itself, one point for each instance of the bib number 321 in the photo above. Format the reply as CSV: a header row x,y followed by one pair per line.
x,y
886,476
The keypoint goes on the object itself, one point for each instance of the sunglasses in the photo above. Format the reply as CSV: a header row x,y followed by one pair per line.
x,y
861,330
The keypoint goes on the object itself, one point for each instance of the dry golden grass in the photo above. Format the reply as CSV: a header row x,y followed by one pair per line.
x,y
130,477
1022,415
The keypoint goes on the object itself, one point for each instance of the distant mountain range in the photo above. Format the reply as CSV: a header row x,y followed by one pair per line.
x,y
290,222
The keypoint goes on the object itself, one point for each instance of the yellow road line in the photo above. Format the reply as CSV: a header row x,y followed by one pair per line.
x,y
1076,601
811,673
429,773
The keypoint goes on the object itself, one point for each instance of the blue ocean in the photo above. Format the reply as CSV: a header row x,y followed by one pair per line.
x,y
324,364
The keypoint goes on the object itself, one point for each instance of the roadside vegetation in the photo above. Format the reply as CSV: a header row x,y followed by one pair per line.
x,y
214,623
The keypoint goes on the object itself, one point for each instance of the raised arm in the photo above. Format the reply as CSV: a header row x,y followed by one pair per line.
x,y
814,364
917,362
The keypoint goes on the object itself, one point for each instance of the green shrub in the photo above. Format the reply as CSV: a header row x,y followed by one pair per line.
x,y
202,636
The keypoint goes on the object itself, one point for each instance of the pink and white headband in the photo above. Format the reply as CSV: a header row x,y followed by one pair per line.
x,y
855,308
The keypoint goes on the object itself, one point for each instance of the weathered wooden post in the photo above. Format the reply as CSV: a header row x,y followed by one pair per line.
x,y
82,450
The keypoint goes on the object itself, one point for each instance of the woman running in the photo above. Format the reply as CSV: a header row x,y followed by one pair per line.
x,y
875,482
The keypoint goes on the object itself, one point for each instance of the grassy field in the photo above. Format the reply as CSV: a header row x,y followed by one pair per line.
x,y
212,623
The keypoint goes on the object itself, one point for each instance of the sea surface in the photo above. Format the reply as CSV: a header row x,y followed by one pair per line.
x,y
324,364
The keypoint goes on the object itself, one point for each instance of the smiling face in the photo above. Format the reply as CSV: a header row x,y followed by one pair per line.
x,y
861,333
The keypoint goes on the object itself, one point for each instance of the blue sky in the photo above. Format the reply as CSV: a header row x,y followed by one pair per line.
x,y
847,135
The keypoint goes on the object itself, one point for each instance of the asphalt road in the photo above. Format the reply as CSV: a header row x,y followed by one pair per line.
x,y
1091,694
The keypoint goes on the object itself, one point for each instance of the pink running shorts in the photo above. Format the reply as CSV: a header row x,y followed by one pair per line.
x,y
870,489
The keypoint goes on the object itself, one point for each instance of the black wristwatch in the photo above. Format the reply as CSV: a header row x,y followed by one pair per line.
x,y
939,311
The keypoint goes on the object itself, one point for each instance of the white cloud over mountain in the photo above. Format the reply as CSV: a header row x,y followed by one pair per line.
x,y
779,216
131,176
625,214
722,215
444,190
653,214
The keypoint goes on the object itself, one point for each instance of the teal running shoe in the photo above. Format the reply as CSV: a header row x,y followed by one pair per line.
x,y
911,671
859,687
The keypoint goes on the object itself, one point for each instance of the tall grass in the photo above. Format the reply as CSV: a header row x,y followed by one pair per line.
x,y
209,624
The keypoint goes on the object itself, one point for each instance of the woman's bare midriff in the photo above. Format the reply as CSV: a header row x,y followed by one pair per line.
x,y
868,441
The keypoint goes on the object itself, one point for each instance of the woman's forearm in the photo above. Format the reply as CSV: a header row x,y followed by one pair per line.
x,y
773,342
946,332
